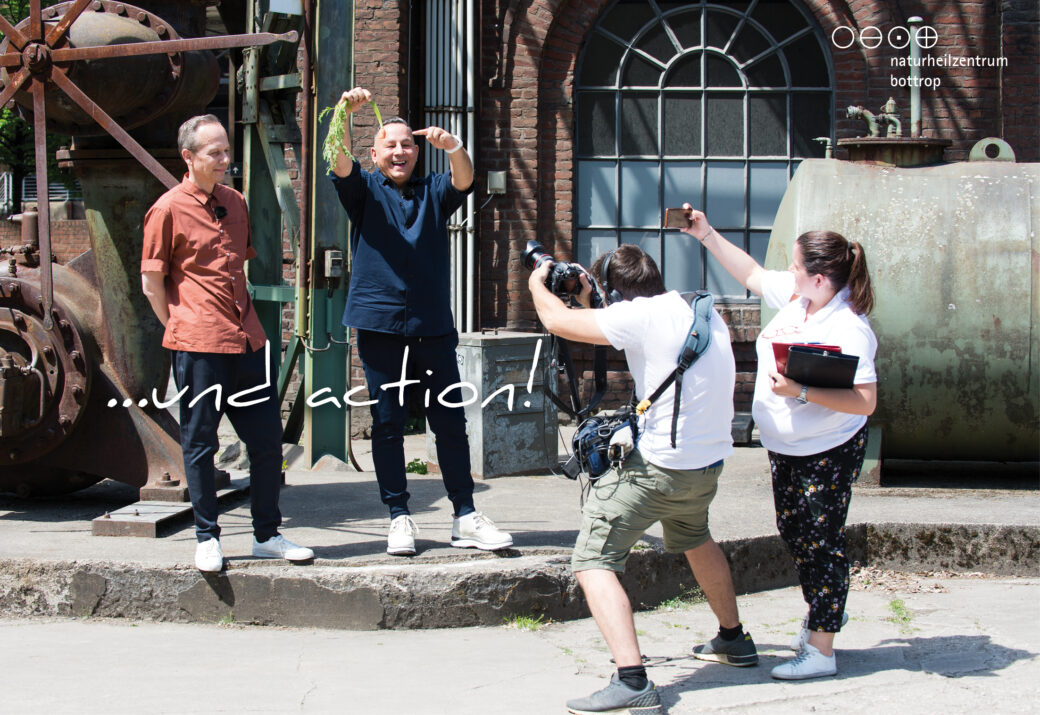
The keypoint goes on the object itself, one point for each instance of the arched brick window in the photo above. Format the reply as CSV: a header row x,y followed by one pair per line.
x,y
704,102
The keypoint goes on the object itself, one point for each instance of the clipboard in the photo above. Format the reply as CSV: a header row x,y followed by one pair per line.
x,y
780,352
816,366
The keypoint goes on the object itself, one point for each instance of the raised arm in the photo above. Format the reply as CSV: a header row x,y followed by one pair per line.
x,y
558,319
738,263
354,99
458,157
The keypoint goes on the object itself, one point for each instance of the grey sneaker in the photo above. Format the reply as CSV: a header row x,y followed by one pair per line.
x,y
619,698
802,637
740,652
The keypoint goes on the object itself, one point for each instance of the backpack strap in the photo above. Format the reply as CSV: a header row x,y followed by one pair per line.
x,y
697,341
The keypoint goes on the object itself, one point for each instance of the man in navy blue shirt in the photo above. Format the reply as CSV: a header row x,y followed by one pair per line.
x,y
399,305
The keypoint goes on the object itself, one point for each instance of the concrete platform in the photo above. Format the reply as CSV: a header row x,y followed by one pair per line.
x,y
50,564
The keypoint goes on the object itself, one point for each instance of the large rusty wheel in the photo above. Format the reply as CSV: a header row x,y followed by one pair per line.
x,y
52,62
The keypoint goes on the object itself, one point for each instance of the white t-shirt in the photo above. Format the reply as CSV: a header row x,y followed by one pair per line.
x,y
785,425
652,331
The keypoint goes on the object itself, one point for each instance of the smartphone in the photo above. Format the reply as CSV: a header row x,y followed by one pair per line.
x,y
676,218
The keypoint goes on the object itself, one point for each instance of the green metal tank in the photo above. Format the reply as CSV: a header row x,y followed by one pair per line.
x,y
954,254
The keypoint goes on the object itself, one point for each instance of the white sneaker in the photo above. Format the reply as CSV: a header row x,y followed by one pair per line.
x,y
209,557
400,541
809,663
802,637
278,547
476,530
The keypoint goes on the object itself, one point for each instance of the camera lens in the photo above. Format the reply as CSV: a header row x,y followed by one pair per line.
x,y
535,255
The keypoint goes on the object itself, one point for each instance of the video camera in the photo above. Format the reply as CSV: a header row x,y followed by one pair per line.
x,y
564,279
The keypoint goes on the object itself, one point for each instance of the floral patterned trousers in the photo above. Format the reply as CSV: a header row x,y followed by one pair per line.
x,y
811,495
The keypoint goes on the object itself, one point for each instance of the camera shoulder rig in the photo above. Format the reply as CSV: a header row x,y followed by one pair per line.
x,y
697,341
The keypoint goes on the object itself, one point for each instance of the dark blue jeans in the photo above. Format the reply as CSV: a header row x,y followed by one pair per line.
x,y
259,426
433,363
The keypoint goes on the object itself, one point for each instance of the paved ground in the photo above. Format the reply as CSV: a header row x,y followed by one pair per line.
x,y
336,510
913,645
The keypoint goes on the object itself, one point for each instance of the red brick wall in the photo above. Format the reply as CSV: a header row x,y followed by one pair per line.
x,y
526,120
69,238
525,116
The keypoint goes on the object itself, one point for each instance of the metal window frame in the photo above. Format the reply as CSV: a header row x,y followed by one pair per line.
x,y
631,50
451,64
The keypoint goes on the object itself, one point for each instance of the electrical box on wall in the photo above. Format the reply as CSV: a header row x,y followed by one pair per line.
x,y
496,182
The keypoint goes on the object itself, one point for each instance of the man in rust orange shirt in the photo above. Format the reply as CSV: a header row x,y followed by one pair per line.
x,y
196,243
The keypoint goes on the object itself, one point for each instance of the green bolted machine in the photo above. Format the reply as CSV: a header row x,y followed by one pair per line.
x,y
317,227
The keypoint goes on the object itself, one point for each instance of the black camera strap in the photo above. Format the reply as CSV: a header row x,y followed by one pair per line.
x,y
697,341
561,357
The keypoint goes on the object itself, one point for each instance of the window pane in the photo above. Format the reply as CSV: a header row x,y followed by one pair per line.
x,y
640,73
639,124
767,133
686,26
767,72
725,125
719,28
808,67
596,123
718,279
600,64
759,242
810,118
627,18
649,241
768,184
749,44
656,44
686,72
682,125
780,17
639,204
597,192
721,73
682,261
682,184
593,244
725,197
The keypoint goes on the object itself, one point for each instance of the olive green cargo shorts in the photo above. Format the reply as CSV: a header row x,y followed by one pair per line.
x,y
621,507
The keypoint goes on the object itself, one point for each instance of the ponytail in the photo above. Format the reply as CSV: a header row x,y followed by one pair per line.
x,y
842,262
861,293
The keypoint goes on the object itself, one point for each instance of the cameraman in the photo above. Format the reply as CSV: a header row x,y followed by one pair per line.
x,y
656,482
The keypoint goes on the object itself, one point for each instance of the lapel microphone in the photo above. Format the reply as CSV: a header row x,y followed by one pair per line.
x,y
220,212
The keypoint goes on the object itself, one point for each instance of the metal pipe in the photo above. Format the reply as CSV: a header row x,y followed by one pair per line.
x,y
915,77
303,253
471,68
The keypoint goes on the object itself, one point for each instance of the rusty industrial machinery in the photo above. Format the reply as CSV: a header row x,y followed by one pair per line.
x,y
81,367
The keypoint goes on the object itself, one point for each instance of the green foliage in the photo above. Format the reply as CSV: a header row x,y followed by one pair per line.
x,y
228,620
687,597
901,615
525,623
335,140
416,466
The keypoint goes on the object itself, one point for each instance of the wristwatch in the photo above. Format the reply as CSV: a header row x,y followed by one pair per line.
x,y
803,396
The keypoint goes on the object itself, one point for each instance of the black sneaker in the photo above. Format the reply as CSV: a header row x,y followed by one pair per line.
x,y
619,698
739,652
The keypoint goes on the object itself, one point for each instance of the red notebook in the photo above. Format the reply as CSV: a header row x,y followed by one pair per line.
x,y
780,351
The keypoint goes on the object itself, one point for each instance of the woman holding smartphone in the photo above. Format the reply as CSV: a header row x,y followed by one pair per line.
x,y
816,437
